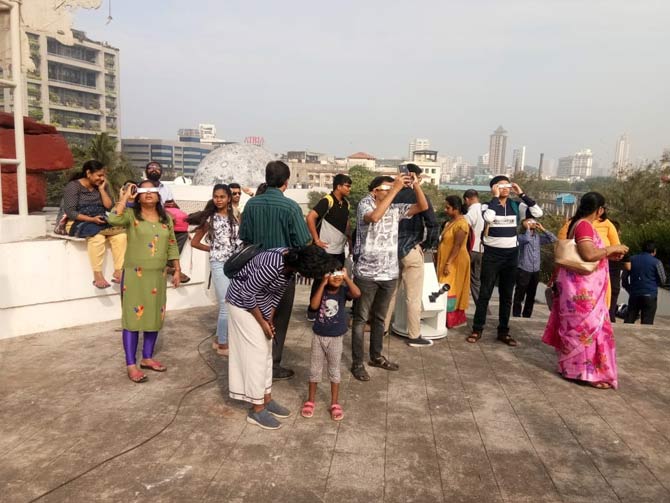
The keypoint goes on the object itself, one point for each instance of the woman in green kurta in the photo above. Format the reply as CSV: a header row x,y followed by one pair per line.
x,y
151,243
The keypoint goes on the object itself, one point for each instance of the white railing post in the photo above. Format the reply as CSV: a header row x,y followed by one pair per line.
x,y
21,177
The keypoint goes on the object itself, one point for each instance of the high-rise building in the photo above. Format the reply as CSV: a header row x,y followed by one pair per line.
x,y
621,157
483,163
73,87
576,167
418,144
497,148
518,159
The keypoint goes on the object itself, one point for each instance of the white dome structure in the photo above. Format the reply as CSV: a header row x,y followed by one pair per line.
x,y
236,162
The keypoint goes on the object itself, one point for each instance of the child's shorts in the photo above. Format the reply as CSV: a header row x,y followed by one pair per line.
x,y
327,349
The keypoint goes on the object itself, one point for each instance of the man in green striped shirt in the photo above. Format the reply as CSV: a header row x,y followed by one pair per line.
x,y
272,220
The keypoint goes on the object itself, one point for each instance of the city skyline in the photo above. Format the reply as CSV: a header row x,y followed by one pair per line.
x,y
250,71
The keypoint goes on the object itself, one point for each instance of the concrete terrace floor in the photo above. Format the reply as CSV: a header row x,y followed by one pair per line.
x,y
457,423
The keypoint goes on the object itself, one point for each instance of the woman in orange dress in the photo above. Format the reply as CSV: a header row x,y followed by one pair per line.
x,y
453,259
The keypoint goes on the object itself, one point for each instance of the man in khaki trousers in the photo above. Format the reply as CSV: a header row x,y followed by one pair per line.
x,y
419,233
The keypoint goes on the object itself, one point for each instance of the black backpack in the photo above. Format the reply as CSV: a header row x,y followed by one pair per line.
x,y
239,259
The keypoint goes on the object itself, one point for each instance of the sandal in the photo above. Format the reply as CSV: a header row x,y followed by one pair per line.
x,y
219,350
336,413
601,385
382,363
360,373
155,365
102,284
307,409
473,337
137,376
507,339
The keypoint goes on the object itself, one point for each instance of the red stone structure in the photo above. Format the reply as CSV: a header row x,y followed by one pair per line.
x,y
46,150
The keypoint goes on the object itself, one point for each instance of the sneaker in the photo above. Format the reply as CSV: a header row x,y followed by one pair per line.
x,y
263,419
277,410
419,342
281,373
311,316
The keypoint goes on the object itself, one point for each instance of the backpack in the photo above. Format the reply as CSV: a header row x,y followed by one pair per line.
x,y
331,203
239,259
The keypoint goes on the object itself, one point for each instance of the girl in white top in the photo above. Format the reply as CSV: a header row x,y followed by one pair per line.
x,y
217,221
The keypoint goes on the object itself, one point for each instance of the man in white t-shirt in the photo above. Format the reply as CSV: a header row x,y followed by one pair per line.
x,y
376,266
476,220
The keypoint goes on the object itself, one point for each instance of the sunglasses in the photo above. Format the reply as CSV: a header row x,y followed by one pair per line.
x,y
147,190
235,193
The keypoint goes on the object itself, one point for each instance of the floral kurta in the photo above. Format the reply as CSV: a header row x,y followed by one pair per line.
x,y
143,289
579,325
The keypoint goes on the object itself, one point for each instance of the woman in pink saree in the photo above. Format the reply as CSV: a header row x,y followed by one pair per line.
x,y
579,325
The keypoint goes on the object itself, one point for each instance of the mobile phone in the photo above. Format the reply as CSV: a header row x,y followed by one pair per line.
x,y
132,187
403,170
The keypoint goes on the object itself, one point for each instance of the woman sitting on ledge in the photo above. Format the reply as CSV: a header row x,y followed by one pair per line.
x,y
151,243
86,199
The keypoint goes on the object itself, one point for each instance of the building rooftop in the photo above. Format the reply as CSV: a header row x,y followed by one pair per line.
x,y
361,155
459,422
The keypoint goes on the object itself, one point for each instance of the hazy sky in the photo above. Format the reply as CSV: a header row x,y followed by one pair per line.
x,y
345,76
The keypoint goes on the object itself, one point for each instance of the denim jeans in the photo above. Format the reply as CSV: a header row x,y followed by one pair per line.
x,y
221,284
373,305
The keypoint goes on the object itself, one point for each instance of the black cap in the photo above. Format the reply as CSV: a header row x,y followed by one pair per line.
x,y
498,179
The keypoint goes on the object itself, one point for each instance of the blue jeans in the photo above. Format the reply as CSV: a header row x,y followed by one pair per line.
x,y
221,284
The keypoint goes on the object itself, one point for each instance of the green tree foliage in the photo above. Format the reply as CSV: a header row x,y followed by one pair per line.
x,y
102,148
360,179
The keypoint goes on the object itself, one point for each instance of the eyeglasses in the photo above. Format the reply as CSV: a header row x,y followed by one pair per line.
x,y
236,193
147,190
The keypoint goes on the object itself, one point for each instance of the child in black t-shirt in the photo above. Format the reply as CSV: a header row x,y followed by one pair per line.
x,y
329,328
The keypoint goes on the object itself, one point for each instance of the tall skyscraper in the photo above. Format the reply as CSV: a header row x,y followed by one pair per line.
x,y
621,157
497,148
519,158
418,144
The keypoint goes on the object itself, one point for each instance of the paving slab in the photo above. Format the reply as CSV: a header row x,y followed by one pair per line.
x,y
458,422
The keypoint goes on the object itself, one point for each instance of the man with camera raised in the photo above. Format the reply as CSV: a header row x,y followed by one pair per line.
x,y
501,254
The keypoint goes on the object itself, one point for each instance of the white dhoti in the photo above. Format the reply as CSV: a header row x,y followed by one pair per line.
x,y
249,358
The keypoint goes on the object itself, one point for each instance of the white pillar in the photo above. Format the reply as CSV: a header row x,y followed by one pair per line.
x,y
15,34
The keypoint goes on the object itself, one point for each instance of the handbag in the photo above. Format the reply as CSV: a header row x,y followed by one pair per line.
x,y
567,255
239,259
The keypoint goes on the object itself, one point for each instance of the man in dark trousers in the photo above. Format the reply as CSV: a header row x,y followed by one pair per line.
x,y
272,220
641,282
501,254
328,223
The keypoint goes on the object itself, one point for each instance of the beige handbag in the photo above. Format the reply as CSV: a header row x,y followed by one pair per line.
x,y
566,255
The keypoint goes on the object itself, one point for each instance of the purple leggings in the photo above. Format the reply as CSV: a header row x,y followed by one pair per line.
x,y
130,340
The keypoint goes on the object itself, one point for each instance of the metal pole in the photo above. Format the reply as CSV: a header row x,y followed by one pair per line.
x,y
21,179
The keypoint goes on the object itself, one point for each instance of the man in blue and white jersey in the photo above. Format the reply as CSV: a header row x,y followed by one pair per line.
x,y
501,253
